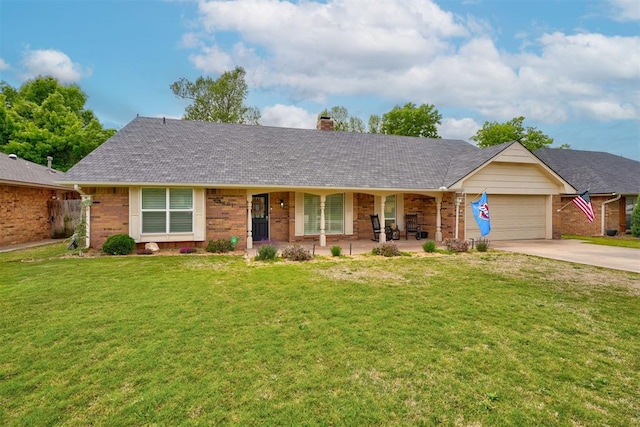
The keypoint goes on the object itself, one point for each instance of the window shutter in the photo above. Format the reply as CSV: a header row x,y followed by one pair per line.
x,y
299,221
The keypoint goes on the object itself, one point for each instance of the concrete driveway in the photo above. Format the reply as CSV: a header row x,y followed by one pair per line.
x,y
576,251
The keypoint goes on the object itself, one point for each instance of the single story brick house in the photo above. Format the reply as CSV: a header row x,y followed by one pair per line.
x,y
613,183
178,182
26,192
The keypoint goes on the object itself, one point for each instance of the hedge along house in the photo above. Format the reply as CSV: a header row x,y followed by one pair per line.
x,y
178,182
27,192
613,183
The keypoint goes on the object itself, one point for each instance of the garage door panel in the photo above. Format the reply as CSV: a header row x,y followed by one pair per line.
x,y
512,218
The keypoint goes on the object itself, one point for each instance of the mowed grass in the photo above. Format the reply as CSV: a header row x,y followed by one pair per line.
x,y
624,240
472,339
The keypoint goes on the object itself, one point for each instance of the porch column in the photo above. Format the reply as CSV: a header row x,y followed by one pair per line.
x,y
438,219
323,235
249,221
87,200
382,237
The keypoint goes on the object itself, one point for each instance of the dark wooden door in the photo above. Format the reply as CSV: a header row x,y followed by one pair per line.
x,y
260,217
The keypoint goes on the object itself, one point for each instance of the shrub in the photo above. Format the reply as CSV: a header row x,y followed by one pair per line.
x,y
336,250
635,219
188,250
429,246
482,245
296,253
267,252
119,244
456,245
387,249
219,246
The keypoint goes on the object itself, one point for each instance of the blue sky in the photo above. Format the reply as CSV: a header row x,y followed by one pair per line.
x,y
571,67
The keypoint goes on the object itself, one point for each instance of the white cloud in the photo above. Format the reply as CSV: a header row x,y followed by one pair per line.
x,y
288,116
413,50
458,128
626,10
3,65
50,62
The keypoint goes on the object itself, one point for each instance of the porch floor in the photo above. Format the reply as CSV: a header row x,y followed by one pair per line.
x,y
349,247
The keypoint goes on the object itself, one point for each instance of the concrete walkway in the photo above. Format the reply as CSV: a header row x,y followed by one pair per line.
x,y
30,245
577,251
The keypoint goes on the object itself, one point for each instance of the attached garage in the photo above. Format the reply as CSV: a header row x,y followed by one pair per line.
x,y
513,217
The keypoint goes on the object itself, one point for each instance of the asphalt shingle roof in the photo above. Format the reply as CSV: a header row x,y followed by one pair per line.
x,y
148,150
20,171
596,171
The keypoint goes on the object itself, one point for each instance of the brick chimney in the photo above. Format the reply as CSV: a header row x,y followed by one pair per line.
x,y
325,123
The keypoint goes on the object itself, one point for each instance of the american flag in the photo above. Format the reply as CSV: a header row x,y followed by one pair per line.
x,y
583,202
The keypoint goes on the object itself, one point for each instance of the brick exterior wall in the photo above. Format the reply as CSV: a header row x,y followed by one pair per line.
x,y
109,213
281,221
24,215
573,221
226,215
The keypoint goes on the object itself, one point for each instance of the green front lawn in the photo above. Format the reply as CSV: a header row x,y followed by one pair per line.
x,y
471,339
625,241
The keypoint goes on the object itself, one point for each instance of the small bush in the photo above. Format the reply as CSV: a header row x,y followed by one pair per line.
x,y
635,219
119,244
336,250
296,253
429,246
482,245
456,245
220,246
267,252
387,249
188,250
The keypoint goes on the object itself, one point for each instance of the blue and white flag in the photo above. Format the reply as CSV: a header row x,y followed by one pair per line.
x,y
481,213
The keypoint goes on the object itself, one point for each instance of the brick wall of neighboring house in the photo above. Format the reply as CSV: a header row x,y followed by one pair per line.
x,y
109,213
226,215
24,215
574,221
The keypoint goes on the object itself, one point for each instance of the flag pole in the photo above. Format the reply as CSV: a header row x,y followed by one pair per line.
x,y
480,193
571,201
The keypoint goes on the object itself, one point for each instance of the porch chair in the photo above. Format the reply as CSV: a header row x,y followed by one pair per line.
x,y
411,226
375,224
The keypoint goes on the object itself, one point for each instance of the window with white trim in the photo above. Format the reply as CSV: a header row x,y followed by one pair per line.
x,y
333,214
390,211
167,210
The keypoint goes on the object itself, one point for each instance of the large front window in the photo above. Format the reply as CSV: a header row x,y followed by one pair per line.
x,y
167,210
390,210
333,214
630,204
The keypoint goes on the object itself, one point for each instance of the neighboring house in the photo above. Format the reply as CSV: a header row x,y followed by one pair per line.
x,y
178,182
613,183
26,192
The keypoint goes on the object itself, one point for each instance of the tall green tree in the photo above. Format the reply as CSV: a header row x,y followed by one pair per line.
x,y
221,100
44,118
494,133
412,120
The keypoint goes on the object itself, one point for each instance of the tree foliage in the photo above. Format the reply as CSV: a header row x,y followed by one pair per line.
x,y
494,133
221,100
408,120
411,120
44,118
635,219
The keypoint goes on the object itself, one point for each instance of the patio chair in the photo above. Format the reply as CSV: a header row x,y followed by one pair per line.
x,y
411,226
375,224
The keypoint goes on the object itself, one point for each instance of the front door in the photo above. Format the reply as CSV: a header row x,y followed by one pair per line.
x,y
260,217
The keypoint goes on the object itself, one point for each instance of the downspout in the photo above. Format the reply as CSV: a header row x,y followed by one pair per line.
x,y
458,201
602,219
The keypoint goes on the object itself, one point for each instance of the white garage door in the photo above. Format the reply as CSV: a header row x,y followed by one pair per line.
x,y
512,218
